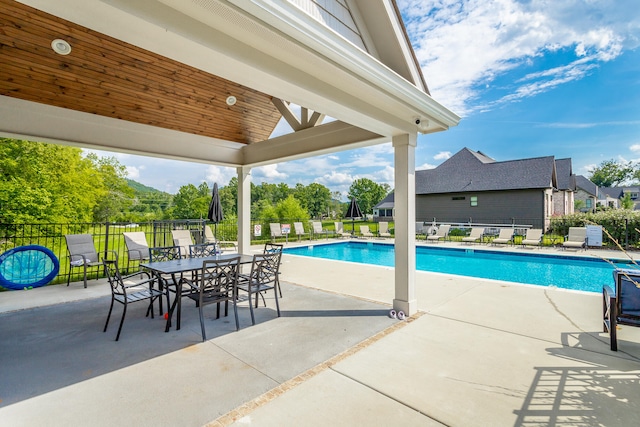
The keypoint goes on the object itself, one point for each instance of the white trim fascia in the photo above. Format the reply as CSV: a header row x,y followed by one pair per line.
x,y
314,35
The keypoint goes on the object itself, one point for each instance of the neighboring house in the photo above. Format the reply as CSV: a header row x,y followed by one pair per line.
x,y
385,211
612,196
563,195
472,187
587,193
609,196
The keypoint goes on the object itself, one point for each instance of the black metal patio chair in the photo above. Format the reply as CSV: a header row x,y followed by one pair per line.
x,y
263,277
126,290
621,307
166,283
216,283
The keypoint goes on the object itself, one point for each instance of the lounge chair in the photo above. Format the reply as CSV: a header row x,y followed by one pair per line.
x,y
383,229
299,229
223,245
137,246
505,237
82,253
182,238
475,235
577,238
441,233
276,231
532,238
317,229
365,232
340,230
623,306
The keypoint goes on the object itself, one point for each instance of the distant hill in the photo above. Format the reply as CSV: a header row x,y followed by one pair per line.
x,y
141,188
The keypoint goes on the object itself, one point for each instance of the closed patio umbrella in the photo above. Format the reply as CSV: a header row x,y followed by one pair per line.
x,y
215,214
353,212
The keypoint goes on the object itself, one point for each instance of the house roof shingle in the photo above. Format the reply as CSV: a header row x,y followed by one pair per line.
x,y
468,170
586,185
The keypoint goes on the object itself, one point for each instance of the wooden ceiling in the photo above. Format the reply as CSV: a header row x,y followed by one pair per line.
x,y
108,77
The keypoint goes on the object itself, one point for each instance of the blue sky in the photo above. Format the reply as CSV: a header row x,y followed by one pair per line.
x,y
530,78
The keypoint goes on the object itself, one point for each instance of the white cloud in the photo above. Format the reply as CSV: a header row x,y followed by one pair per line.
x,y
425,166
220,174
133,172
463,46
268,173
635,148
443,155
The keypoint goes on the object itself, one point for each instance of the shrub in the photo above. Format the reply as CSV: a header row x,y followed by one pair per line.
x,y
620,224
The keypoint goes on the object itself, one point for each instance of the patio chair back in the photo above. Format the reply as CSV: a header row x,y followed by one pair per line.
x,y
82,253
183,239
263,277
217,283
317,227
137,246
441,233
203,250
383,229
365,232
533,237
623,306
275,229
299,229
208,235
126,290
166,253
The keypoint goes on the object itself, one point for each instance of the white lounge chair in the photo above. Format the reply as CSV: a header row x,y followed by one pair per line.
x,y
276,231
365,232
533,237
299,229
340,230
182,238
577,238
317,229
441,233
474,236
505,237
383,230
223,245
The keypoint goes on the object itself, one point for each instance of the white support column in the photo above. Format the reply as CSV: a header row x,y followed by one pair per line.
x,y
405,237
244,209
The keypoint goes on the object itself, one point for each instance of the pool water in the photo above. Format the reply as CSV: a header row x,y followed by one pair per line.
x,y
568,272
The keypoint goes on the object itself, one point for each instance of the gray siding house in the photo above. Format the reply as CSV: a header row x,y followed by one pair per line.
x,y
472,187
586,193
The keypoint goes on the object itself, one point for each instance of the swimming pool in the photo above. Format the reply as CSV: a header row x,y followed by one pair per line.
x,y
569,272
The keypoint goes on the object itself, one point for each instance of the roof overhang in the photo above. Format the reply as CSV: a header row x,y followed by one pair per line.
x,y
266,45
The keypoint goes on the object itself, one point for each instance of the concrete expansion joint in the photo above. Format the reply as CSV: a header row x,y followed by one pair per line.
x,y
245,409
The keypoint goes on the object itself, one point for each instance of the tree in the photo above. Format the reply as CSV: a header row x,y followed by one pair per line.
x,y
47,183
368,193
315,198
229,197
115,195
190,202
611,173
290,209
626,202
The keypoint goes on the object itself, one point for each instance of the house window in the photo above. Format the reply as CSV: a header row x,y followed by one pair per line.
x,y
588,204
458,198
474,201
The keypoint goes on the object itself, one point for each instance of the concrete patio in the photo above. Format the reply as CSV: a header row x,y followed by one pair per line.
x,y
479,353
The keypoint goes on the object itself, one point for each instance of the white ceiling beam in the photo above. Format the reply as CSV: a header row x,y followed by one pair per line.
x,y
326,138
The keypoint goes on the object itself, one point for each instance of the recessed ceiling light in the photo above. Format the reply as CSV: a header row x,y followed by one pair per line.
x,y
61,47
231,100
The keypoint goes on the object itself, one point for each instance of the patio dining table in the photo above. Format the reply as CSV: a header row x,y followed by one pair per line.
x,y
185,265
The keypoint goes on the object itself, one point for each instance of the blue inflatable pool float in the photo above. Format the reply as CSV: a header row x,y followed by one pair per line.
x,y
27,267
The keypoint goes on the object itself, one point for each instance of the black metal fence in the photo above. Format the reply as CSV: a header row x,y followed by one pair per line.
x,y
108,237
